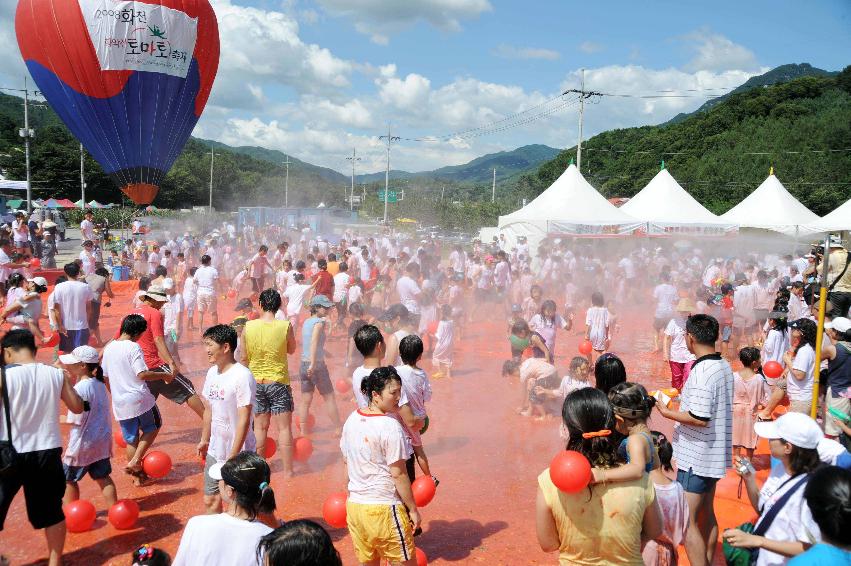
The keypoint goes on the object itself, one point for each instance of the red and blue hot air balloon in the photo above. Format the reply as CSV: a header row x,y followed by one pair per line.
x,y
129,78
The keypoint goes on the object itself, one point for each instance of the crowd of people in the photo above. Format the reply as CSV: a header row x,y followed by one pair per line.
x,y
401,306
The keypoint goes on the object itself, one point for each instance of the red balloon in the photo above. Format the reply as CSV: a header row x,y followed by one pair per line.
x,y
156,464
432,327
424,490
570,471
343,386
51,340
334,510
119,439
585,347
271,447
124,514
231,293
772,369
422,559
311,421
302,449
79,515
35,263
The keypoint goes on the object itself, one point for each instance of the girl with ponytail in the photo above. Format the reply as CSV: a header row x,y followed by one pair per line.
x,y
231,537
671,497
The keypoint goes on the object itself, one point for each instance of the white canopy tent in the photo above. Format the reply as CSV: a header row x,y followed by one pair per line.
x,y
838,220
667,208
771,207
569,206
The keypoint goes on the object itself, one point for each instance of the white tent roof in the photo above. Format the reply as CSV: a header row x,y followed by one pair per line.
x,y
665,203
771,207
839,219
569,200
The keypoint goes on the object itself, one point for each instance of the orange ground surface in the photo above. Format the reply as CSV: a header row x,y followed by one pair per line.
x,y
486,457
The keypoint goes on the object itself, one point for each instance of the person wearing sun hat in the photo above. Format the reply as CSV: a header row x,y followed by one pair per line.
x,y
230,537
837,352
675,350
785,526
838,278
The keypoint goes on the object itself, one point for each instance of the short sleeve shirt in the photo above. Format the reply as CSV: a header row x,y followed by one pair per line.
x,y
370,444
122,362
226,393
707,395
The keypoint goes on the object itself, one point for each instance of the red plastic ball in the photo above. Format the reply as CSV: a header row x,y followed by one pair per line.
x,y
156,464
35,263
334,510
124,514
772,369
232,294
422,559
271,447
302,449
119,439
79,515
51,340
585,347
570,471
311,421
343,386
424,490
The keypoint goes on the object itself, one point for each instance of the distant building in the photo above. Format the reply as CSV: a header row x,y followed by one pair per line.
x,y
320,219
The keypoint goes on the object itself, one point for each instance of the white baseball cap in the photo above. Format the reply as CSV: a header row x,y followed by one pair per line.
x,y
40,281
840,324
84,354
795,428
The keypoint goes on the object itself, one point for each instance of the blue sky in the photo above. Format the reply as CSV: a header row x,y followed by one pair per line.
x,y
316,78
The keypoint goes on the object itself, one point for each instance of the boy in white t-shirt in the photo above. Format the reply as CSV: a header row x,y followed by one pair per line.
x,y
381,511
229,391
190,294
296,295
417,388
207,284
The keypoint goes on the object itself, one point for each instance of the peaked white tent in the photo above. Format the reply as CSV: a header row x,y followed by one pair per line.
x,y
667,208
569,206
839,219
771,207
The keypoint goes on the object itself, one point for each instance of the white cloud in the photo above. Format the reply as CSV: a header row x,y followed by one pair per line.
x,y
381,18
590,47
12,68
714,52
511,52
410,93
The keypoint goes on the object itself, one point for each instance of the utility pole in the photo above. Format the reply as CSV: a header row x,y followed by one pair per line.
x,y
212,158
583,94
390,139
27,133
287,182
442,192
353,158
493,188
82,177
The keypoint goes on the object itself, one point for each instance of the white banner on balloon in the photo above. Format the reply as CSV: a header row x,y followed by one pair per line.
x,y
136,36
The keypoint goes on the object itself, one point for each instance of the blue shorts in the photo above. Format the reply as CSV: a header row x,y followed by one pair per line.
x,y
693,483
73,338
97,470
149,421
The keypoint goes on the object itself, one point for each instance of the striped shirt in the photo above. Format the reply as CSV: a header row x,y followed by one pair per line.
x,y
707,395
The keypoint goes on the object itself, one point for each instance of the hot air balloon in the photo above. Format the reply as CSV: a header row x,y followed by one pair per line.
x,y
129,78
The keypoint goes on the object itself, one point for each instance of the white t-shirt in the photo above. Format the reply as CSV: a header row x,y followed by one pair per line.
x,y
205,277
220,540
189,291
5,272
370,443
794,522
341,285
805,361
90,440
122,362
417,388
679,349
259,265
295,298
628,267
34,393
355,294
707,394
666,297
408,292
87,229
88,259
226,393
775,345
72,296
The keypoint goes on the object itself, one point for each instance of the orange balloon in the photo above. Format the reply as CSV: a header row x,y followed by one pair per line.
x,y
422,559
119,439
79,515
156,464
585,347
35,263
231,293
124,514
570,471
334,510
302,449
772,369
51,340
424,490
343,386
271,447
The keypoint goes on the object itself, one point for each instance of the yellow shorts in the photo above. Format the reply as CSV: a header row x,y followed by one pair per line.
x,y
380,532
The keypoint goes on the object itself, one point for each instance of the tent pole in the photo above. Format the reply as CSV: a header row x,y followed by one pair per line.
x,y
822,306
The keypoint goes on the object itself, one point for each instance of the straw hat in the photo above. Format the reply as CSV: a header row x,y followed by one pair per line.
x,y
686,305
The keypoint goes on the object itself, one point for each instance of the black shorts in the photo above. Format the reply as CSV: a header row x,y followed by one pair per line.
x,y
178,391
42,476
320,379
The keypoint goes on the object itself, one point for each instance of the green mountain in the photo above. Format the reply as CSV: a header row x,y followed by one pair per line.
x,y
777,75
802,128
508,164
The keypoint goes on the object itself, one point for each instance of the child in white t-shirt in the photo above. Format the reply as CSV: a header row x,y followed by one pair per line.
x,y
417,388
296,296
444,337
597,324
190,296
577,378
